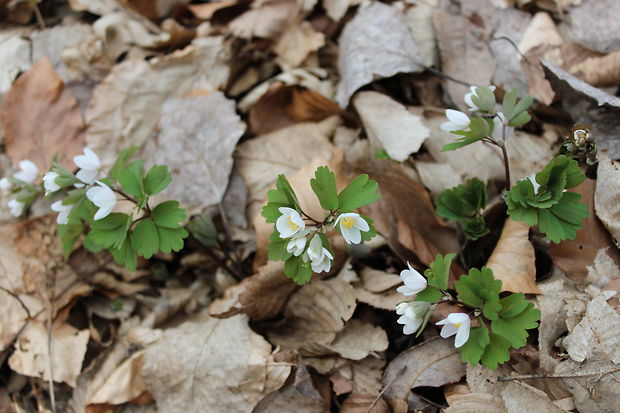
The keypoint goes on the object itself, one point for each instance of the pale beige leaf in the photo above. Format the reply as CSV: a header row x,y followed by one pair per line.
x,y
124,384
432,363
205,11
389,125
513,260
420,20
603,269
196,141
377,43
607,197
377,281
68,347
14,58
296,43
361,403
265,294
541,30
527,153
386,300
212,365
336,9
266,21
356,341
437,176
315,315
520,397
599,71
126,105
476,403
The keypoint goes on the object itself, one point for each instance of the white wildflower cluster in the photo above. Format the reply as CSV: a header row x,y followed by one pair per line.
x,y
414,313
290,225
23,184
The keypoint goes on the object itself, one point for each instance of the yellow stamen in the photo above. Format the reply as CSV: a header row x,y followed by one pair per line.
x,y
347,223
293,225
457,325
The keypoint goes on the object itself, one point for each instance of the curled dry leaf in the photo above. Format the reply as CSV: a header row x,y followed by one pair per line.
x,y
32,356
197,139
540,30
599,71
377,43
476,403
266,21
437,176
210,364
123,385
389,125
519,397
356,341
41,118
575,256
513,260
315,315
296,43
265,294
432,363
364,403
607,197
378,289
126,105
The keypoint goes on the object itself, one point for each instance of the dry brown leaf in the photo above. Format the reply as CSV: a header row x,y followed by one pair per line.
x,y
540,31
607,197
205,11
376,44
389,125
283,106
262,159
377,281
520,397
197,139
126,105
417,228
315,315
68,347
266,21
123,385
464,54
296,43
212,365
265,294
153,9
594,25
361,403
599,71
603,271
476,403
575,256
41,118
355,342
420,19
513,260
336,9
437,176
432,363
99,7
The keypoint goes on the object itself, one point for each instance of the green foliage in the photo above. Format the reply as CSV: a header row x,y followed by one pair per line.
x,y
516,111
361,191
157,179
484,99
324,186
439,271
463,204
203,229
558,214
282,196
298,270
473,349
479,289
479,128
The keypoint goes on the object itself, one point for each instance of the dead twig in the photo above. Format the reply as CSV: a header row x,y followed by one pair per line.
x,y
600,372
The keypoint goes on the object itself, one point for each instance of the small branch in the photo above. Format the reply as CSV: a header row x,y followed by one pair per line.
x,y
19,300
125,195
49,343
387,386
38,15
600,372
506,166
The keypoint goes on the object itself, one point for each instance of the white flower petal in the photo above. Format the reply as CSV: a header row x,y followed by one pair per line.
x,y
361,224
5,184
351,235
89,161
28,171
87,176
448,330
457,117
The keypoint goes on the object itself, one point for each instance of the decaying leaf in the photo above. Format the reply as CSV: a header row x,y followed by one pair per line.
x,y
377,43
520,397
197,139
126,105
593,24
296,43
607,197
41,118
124,384
437,176
364,403
211,364
14,58
389,125
476,403
540,30
266,21
513,259
432,363
32,355
356,341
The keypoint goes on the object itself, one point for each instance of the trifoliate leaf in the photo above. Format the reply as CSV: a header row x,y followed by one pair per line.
x,y
462,201
479,128
277,247
439,270
168,214
282,196
125,255
430,295
110,231
157,179
299,271
480,289
69,234
121,161
516,113
145,239
473,349
203,229
324,186
372,232
509,102
496,352
132,180
484,99
74,196
360,191
558,166
171,239
514,328
519,120
474,228
562,220
513,305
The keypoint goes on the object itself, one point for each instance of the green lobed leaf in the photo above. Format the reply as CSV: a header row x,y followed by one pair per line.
x,y
282,196
480,289
361,191
474,228
203,229
69,234
74,196
121,161
479,128
157,179
473,349
111,231
171,239
430,295
277,247
514,328
372,232
145,238
168,214
299,271
324,186
484,99
131,179
509,102
519,120
125,255
564,219
462,201
496,352
439,270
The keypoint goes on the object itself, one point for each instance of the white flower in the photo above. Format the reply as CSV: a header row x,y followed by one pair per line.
x,y
49,182
89,165
28,171
414,281
103,197
469,101
532,179
456,121
63,212
297,244
352,226
16,207
5,184
455,323
498,126
319,256
412,315
289,223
